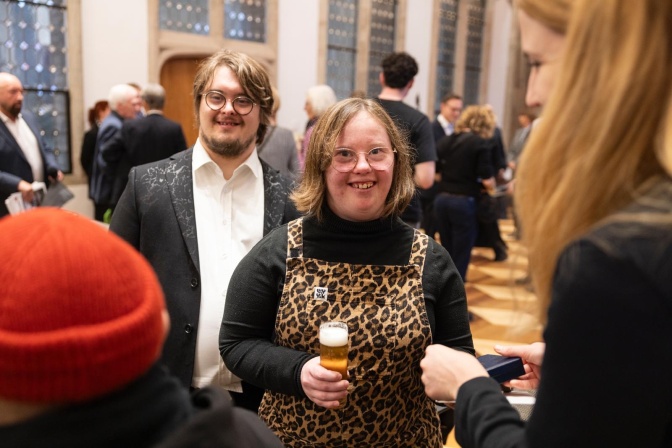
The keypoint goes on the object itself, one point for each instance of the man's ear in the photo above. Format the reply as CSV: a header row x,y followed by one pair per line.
x,y
410,84
381,78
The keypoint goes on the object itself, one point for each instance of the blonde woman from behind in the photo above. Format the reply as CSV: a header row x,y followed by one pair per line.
x,y
595,202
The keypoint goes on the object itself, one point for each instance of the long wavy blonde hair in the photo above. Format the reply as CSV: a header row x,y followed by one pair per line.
x,y
607,127
553,14
477,119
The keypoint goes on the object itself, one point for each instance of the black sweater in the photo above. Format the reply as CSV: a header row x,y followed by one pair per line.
x,y
606,370
152,411
256,287
464,160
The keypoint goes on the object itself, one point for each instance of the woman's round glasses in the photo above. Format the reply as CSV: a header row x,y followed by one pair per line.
x,y
241,104
345,160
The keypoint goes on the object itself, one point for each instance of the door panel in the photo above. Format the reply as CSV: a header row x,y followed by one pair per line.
x,y
177,77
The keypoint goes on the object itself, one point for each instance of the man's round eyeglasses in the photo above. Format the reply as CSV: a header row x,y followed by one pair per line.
x,y
216,101
345,160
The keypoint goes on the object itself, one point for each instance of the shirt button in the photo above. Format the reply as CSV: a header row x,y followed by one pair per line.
x,y
188,328
194,283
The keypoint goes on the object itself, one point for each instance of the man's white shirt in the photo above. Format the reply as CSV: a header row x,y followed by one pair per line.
x,y
28,143
229,222
447,126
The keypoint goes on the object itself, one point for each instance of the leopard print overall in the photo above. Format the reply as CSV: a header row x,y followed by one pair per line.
x,y
384,307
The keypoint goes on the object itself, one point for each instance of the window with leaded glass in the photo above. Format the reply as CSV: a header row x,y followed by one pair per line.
x,y
472,74
445,67
383,13
33,47
245,20
187,16
342,46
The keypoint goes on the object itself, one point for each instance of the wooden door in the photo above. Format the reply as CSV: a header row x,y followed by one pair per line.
x,y
177,77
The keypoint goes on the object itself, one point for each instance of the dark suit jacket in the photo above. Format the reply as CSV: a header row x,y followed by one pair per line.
x,y
438,131
142,140
14,166
102,174
88,150
498,155
155,214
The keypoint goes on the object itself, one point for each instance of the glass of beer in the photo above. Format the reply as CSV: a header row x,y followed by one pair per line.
x,y
334,347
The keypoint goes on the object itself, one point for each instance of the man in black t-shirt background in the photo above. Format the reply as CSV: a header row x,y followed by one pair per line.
x,y
396,78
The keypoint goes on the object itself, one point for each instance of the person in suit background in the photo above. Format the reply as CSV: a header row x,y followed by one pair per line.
x,y
97,114
489,234
24,156
139,107
124,103
450,110
318,99
442,126
525,119
279,148
197,213
147,139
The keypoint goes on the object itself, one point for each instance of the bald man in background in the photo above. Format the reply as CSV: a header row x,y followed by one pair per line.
x,y
24,156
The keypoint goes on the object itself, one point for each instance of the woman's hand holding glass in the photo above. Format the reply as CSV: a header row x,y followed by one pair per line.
x,y
322,386
532,356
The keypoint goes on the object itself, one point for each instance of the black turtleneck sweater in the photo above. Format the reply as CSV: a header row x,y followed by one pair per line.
x,y
256,287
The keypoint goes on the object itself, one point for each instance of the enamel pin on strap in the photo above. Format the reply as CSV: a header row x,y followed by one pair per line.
x,y
320,293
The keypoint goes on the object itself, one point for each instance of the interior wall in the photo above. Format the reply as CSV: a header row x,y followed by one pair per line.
x,y
115,39
419,44
113,36
113,30
114,46
298,36
499,60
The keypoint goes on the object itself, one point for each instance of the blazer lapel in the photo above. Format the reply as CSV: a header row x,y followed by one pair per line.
x,y
12,141
181,188
275,196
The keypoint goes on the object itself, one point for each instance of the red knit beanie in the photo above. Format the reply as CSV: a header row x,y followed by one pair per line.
x,y
80,309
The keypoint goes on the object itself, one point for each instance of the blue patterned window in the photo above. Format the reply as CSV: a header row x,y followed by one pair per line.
x,y
33,47
342,46
187,16
245,20
383,30
472,75
445,67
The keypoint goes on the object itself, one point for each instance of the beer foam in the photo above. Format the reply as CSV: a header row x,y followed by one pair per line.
x,y
333,336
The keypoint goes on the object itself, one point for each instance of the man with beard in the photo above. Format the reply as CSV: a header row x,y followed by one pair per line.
x,y
24,157
197,213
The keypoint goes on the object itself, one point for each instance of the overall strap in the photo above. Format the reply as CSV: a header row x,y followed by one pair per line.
x,y
419,250
295,238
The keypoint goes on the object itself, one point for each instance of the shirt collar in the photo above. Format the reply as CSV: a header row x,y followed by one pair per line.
x,y
6,119
201,158
442,120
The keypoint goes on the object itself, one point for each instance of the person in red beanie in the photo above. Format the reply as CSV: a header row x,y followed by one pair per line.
x,y
82,324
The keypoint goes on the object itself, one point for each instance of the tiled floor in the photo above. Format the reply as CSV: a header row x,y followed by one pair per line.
x,y
503,309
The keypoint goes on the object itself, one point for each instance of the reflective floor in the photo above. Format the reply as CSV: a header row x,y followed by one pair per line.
x,y
500,300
